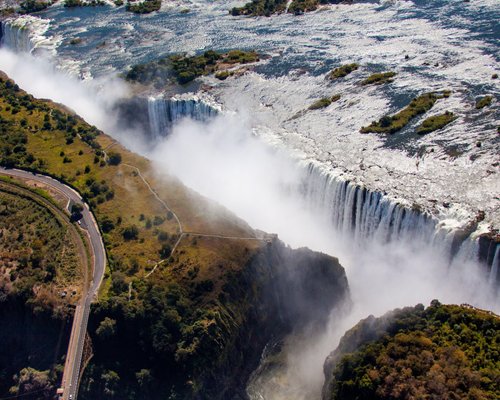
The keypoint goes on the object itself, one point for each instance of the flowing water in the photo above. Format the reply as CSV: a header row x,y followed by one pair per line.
x,y
392,208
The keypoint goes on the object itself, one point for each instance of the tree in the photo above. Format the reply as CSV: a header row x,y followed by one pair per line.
x,y
31,380
76,212
165,251
107,225
111,380
143,377
131,232
114,158
107,328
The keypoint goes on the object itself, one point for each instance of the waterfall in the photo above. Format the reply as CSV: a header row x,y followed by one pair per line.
x,y
362,214
25,34
494,267
165,112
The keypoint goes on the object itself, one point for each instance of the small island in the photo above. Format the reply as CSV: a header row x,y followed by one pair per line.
x,y
33,6
419,105
185,69
484,102
324,102
143,7
266,8
83,3
379,78
436,122
342,71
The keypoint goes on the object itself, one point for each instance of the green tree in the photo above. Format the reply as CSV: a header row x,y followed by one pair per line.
x,y
107,328
114,158
131,232
111,381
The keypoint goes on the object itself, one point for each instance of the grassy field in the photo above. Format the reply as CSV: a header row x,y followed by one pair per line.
x,y
41,253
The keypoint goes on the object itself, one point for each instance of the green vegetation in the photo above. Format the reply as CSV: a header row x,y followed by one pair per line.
x,y
441,352
379,78
174,319
436,122
324,102
185,69
342,71
266,8
143,7
260,8
7,12
418,106
30,380
302,6
38,250
75,41
484,102
223,75
44,137
167,323
83,3
33,6
114,158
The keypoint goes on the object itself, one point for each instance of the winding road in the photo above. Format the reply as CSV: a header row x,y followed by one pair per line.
x,y
75,349
74,355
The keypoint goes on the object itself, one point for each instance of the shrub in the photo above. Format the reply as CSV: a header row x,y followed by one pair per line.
x,y
114,158
324,102
321,103
107,225
130,232
222,75
165,251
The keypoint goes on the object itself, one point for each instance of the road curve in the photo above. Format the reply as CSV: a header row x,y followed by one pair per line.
x,y
80,320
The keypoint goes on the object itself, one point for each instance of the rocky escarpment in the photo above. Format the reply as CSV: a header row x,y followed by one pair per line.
x,y
172,342
30,340
442,351
155,116
280,289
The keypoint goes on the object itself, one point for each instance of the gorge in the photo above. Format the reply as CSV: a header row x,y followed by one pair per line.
x,y
387,207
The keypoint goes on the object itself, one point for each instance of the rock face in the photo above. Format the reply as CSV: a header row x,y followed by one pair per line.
x,y
442,351
156,115
210,351
283,289
29,339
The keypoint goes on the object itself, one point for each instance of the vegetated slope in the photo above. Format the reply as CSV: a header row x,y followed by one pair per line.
x,y
438,352
194,325
41,257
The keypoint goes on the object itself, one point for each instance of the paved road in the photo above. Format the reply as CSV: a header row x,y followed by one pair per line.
x,y
80,320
